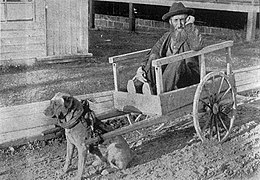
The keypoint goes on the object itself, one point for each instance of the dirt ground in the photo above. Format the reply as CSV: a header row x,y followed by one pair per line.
x,y
174,152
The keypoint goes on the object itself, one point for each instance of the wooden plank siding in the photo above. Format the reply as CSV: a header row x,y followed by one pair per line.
x,y
52,29
25,121
247,78
22,41
67,27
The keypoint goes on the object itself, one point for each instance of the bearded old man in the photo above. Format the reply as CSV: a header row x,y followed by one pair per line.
x,y
183,36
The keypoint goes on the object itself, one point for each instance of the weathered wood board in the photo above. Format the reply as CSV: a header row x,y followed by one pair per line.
x,y
47,29
22,32
247,78
25,121
148,104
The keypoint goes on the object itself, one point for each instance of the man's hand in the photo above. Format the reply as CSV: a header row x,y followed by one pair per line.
x,y
190,20
140,75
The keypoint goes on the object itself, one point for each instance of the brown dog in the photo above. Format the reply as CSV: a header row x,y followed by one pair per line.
x,y
79,126
117,153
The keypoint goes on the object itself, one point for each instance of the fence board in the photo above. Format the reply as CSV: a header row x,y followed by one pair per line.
x,y
23,121
247,78
14,136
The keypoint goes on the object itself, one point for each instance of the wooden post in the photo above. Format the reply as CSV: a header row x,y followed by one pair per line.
x,y
46,28
131,17
116,78
159,81
228,60
83,26
5,11
92,13
202,66
251,24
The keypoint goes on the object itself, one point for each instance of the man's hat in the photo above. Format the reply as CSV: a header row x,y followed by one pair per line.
x,y
176,9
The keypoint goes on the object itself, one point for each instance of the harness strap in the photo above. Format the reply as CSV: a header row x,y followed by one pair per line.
x,y
72,122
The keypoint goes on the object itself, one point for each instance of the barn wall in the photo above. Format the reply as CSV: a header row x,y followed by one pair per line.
x,y
122,23
22,34
67,27
43,29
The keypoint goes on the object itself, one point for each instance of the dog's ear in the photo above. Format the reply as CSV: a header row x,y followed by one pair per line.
x,y
68,101
85,103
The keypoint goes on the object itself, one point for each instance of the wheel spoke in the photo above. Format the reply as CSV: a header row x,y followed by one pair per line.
x,y
217,129
223,113
205,103
226,117
223,95
207,124
222,122
220,86
211,127
226,108
213,82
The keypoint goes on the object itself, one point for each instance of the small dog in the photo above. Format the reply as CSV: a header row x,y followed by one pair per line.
x,y
79,123
117,153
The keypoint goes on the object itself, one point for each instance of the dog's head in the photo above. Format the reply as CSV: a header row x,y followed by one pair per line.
x,y
63,106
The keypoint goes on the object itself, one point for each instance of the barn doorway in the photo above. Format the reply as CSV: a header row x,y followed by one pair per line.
x,y
66,27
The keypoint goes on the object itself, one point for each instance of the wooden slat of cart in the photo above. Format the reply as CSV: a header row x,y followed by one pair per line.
x,y
22,134
138,103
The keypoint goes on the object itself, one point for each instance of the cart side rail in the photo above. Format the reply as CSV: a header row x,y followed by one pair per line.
x,y
201,54
114,60
128,56
192,53
171,59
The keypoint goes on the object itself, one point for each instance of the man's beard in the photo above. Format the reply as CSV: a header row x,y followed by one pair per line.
x,y
173,29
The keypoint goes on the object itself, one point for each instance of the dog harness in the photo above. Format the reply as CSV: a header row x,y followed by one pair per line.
x,y
71,123
88,118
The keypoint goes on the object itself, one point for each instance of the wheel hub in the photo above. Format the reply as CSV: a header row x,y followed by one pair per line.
x,y
215,108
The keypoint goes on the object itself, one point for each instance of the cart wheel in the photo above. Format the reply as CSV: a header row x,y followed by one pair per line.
x,y
214,107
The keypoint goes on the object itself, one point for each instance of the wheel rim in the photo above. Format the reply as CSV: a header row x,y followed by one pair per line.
x,y
214,107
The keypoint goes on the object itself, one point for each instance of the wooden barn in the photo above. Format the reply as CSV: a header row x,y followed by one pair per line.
x,y
40,30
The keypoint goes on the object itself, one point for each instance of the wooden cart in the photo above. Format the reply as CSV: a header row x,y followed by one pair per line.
x,y
212,102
